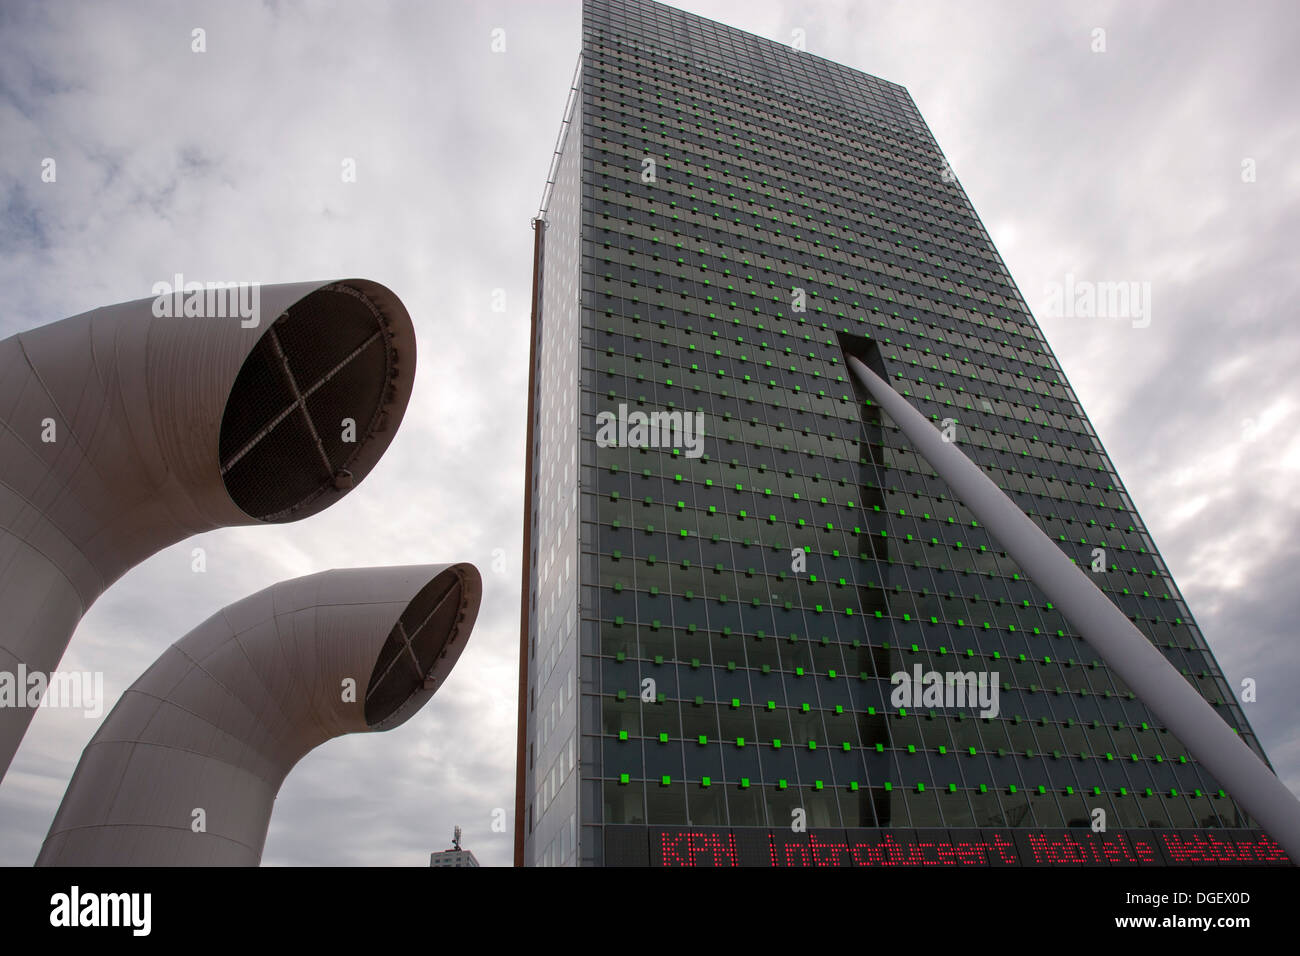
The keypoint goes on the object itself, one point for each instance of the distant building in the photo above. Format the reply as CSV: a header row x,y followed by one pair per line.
x,y
452,858
455,856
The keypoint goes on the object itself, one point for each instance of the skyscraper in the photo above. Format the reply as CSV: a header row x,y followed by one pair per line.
x,y
757,627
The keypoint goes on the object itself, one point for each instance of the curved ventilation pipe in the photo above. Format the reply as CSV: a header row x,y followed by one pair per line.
x,y
186,768
129,428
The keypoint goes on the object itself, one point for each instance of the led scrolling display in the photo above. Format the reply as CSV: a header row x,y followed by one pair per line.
x,y
712,847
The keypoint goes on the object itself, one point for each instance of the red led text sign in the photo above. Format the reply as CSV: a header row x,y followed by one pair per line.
x,y
721,847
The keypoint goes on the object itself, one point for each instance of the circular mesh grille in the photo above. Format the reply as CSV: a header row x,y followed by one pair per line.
x,y
284,435
425,630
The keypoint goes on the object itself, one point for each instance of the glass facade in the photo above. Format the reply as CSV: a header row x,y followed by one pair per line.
x,y
715,627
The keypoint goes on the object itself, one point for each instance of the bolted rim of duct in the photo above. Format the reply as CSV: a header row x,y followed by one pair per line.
x,y
316,401
423,646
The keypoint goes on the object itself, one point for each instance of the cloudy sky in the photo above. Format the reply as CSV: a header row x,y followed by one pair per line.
x,y
1169,158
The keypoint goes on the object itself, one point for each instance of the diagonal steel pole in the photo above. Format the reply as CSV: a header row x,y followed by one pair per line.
x,y
1124,648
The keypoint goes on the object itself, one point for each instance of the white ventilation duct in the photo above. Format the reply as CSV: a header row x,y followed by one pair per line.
x,y
129,428
209,732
